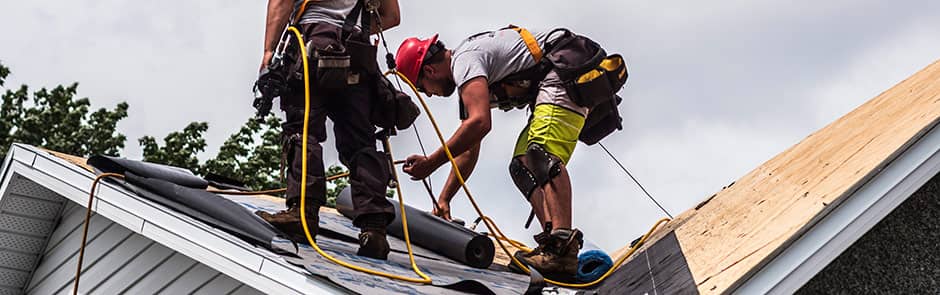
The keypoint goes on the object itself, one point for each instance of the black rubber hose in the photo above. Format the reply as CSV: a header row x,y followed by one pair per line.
x,y
433,233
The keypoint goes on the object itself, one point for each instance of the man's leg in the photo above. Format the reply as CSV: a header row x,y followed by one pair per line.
x,y
551,138
524,179
368,168
288,220
557,194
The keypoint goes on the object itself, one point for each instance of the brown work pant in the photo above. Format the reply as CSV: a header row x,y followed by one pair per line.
x,y
349,109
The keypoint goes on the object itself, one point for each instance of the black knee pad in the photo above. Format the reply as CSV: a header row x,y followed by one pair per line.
x,y
522,177
544,166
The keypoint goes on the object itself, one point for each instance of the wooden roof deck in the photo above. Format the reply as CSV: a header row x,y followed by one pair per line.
x,y
735,232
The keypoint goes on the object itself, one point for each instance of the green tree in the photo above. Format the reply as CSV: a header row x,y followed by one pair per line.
x,y
252,155
179,148
4,72
243,157
56,120
336,186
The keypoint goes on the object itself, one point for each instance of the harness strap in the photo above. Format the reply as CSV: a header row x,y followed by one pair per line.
x,y
350,21
300,7
366,21
530,42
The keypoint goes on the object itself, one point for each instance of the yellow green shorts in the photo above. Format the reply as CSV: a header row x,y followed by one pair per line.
x,y
555,128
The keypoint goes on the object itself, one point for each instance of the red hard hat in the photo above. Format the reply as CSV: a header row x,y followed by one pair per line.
x,y
411,55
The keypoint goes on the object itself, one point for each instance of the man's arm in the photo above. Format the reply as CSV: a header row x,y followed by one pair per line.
x,y
278,16
389,14
476,98
466,161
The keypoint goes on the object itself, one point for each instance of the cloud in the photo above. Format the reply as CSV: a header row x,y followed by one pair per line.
x,y
877,68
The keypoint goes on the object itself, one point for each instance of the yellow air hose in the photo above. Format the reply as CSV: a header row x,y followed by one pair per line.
x,y
425,279
303,190
491,225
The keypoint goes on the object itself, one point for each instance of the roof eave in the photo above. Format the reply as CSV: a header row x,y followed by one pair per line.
x,y
835,232
266,273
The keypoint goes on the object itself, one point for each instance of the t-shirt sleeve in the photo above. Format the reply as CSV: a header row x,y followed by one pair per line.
x,y
468,65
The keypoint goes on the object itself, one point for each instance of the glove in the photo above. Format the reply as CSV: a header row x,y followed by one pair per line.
x,y
270,84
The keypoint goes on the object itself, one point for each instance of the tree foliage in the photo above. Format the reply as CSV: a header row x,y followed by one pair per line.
x,y
252,155
179,148
336,186
56,120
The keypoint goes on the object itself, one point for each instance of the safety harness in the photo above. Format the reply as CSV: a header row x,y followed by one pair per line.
x,y
591,79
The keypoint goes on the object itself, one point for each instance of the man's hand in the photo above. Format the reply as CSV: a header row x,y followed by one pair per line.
x,y
419,166
266,59
442,210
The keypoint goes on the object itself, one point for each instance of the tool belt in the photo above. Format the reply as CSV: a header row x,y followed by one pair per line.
x,y
344,56
603,120
392,108
341,55
591,79
338,59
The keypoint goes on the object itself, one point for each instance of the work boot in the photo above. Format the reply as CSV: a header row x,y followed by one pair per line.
x,y
558,259
372,238
541,239
288,221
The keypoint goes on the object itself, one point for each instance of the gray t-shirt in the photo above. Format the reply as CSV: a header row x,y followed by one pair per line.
x,y
498,54
331,11
493,55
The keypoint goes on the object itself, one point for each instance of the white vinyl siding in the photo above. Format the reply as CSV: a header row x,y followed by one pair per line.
x,y
119,261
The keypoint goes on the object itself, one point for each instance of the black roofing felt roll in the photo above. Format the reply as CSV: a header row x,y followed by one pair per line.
x,y
181,190
207,207
433,233
172,174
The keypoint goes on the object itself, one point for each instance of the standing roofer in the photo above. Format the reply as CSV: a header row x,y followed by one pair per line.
x,y
569,85
346,86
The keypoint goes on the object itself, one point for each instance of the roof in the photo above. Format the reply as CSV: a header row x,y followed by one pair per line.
x,y
769,232
777,226
219,250
239,259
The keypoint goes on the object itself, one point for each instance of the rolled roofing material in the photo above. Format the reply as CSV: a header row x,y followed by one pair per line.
x,y
433,233
176,175
170,187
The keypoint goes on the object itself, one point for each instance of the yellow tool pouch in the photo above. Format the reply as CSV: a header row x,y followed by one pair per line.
x,y
591,76
599,85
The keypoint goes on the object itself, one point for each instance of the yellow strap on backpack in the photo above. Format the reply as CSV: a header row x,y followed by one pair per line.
x,y
530,42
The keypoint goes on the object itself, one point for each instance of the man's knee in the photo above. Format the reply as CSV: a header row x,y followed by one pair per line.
x,y
538,168
369,166
522,177
544,165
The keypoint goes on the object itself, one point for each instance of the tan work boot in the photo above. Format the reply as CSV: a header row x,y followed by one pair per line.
x,y
373,242
558,258
541,239
288,221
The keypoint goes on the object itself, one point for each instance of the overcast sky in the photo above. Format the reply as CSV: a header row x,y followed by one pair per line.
x,y
716,87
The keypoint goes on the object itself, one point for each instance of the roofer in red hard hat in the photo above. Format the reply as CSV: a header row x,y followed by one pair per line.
x,y
566,81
